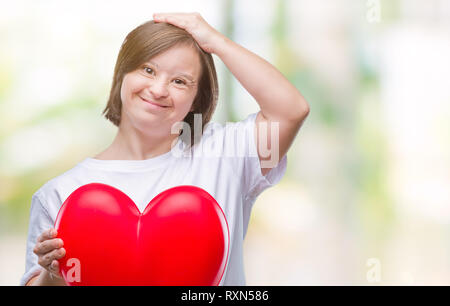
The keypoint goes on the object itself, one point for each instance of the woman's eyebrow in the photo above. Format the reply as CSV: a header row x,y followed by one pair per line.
x,y
187,76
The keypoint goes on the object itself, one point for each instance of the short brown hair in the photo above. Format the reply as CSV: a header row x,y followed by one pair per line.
x,y
148,40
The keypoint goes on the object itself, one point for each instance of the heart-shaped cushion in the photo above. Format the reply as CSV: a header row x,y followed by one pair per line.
x,y
181,238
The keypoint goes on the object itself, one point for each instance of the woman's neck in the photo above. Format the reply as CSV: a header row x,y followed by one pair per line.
x,y
136,146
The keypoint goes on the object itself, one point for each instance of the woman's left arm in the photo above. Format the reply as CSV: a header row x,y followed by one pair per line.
x,y
276,96
280,102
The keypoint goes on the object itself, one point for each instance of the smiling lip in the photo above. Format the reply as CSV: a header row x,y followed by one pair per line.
x,y
153,103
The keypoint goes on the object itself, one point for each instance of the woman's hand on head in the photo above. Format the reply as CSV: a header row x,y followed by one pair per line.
x,y
205,35
49,249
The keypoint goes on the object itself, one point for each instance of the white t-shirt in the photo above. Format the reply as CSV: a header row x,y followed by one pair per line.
x,y
224,163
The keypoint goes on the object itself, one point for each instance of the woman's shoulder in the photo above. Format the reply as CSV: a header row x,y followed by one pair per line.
x,y
54,189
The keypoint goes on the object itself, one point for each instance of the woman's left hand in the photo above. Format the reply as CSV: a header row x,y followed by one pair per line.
x,y
206,36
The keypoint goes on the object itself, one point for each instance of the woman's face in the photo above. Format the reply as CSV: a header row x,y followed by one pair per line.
x,y
169,80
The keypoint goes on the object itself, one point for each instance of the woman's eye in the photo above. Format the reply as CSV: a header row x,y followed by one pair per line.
x,y
180,82
148,70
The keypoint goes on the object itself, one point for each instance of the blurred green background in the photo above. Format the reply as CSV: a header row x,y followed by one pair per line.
x,y
366,196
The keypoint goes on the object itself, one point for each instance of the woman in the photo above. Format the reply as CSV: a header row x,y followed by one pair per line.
x,y
165,75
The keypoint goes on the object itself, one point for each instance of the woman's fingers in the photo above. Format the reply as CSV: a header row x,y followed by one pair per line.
x,y
48,258
48,234
47,246
49,249
54,267
182,20
205,35
173,19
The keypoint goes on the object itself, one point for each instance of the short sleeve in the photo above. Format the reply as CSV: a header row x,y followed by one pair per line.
x,y
39,221
240,135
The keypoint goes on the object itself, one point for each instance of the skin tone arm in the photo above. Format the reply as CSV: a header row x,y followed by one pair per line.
x,y
280,102
276,96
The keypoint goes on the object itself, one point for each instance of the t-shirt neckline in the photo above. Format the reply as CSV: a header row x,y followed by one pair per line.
x,y
131,165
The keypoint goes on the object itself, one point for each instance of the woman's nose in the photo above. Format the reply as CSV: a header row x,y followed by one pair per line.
x,y
158,88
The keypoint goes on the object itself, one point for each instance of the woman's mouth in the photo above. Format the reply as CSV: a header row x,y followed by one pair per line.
x,y
153,105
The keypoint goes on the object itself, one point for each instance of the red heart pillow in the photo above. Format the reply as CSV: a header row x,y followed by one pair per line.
x,y
181,238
